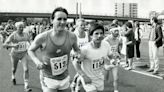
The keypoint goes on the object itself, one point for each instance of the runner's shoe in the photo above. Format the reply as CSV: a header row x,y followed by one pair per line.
x,y
13,81
72,86
150,70
129,68
27,89
116,91
155,72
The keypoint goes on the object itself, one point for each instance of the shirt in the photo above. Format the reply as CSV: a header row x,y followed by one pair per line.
x,y
152,34
93,64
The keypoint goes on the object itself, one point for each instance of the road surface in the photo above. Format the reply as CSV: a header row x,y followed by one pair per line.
x,y
129,81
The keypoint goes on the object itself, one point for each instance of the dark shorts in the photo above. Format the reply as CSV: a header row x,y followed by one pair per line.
x,y
18,56
130,51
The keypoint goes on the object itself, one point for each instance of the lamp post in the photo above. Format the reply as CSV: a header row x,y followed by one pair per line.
x,y
76,9
80,15
79,8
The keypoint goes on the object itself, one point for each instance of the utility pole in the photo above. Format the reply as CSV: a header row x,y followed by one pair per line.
x,y
77,9
80,15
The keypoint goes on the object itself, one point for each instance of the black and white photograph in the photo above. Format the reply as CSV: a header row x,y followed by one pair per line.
x,y
81,46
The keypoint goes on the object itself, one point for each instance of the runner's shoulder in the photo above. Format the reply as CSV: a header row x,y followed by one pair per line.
x,y
72,35
105,43
108,39
42,36
13,34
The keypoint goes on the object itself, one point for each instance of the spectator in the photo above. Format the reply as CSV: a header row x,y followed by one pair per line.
x,y
138,36
155,41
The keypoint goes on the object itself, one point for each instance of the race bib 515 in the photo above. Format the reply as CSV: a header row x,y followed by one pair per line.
x,y
58,65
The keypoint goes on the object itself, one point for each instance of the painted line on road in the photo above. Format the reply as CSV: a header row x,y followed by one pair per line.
x,y
147,74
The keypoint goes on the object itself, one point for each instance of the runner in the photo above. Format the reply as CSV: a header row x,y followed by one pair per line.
x,y
115,44
55,46
82,36
93,56
9,28
19,41
82,39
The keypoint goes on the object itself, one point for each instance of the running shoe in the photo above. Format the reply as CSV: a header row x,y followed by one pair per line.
x,y
27,89
155,72
150,70
129,68
116,91
13,81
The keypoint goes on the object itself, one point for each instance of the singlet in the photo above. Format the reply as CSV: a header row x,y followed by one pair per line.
x,y
22,41
93,64
57,57
113,43
81,41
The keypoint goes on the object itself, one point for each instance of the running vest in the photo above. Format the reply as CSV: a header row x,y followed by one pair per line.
x,y
22,41
114,44
57,57
82,41
93,64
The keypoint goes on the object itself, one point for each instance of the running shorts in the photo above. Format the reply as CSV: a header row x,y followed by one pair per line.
x,y
57,84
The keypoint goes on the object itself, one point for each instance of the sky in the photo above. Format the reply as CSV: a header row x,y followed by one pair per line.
x,y
95,7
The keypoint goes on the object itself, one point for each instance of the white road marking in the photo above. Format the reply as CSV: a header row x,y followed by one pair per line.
x,y
147,74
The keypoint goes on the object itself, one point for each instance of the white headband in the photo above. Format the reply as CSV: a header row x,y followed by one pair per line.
x,y
113,29
17,24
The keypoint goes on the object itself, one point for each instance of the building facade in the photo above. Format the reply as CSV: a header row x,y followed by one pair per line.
x,y
126,10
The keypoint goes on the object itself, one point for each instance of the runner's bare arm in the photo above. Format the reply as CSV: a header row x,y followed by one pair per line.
x,y
75,46
8,42
29,40
36,44
77,66
78,55
107,60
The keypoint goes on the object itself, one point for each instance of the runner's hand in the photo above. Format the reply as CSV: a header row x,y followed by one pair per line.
x,y
79,57
15,46
108,67
40,65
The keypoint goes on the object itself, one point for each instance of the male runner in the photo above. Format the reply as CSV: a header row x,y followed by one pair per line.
x,y
93,56
55,46
82,39
19,42
115,44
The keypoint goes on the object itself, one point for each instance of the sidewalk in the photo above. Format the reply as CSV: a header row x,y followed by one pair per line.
x,y
142,65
